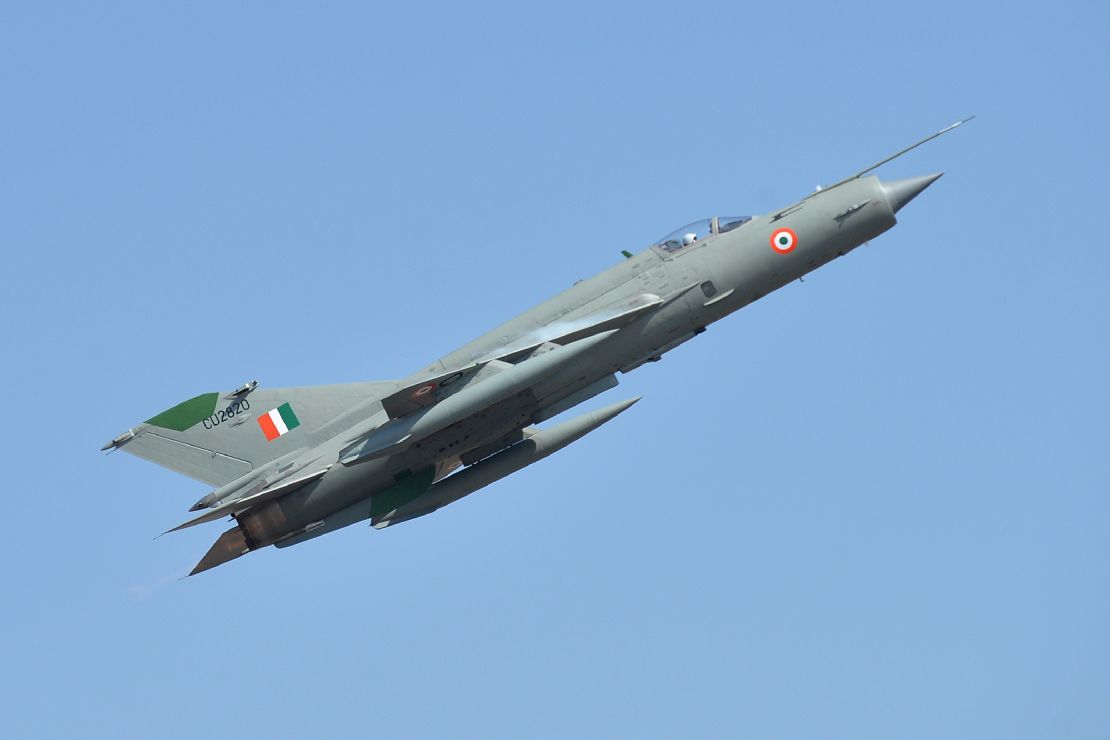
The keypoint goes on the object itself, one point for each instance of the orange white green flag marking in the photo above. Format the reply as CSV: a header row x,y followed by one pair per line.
x,y
278,422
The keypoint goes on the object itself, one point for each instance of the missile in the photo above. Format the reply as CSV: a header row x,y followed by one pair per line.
x,y
245,502
394,436
536,446
256,480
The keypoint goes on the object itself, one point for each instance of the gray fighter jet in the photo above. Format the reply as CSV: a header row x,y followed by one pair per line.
x,y
291,464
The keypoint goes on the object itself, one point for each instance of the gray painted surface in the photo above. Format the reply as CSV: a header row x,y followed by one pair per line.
x,y
355,441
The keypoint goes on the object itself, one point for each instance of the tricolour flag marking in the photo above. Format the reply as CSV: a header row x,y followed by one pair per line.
x,y
279,421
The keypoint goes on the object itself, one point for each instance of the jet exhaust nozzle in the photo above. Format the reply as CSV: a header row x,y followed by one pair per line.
x,y
900,192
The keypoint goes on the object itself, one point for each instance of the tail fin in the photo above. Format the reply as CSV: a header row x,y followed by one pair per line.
x,y
218,437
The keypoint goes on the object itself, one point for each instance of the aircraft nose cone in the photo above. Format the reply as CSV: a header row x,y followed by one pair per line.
x,y
901,192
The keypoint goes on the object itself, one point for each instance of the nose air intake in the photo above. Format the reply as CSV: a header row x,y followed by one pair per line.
x,y
900,192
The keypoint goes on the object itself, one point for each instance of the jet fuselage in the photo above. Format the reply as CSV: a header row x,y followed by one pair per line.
x,y
697,284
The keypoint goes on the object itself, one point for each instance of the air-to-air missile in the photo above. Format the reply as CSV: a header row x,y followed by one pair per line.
x,y
290,464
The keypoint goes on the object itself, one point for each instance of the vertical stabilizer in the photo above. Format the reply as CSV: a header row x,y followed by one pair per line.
x,y
219,437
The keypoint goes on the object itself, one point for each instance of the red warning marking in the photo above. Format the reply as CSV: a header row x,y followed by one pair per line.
x,y
784,240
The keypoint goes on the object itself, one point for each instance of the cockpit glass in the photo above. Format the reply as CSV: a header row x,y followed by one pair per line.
x,y
728,223
686,236
695,232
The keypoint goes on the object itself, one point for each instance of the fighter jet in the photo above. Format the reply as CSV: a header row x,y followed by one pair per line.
x,y
290,464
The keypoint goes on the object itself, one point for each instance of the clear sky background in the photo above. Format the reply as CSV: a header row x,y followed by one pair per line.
x,y
873,505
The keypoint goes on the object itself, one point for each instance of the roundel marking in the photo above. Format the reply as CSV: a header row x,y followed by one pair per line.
x,y
424,390
784,240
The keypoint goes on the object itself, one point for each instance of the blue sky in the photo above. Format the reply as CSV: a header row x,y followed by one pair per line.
x,y
872,505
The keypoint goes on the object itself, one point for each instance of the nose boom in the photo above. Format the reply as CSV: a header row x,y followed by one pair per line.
x,y
900,192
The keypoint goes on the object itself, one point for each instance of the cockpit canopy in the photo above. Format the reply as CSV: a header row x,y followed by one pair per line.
x,y
695,232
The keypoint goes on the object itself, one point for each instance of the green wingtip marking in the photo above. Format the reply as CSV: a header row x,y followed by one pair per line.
x,y
187,413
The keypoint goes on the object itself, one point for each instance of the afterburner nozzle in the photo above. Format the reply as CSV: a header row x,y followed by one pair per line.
x,y
900,192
